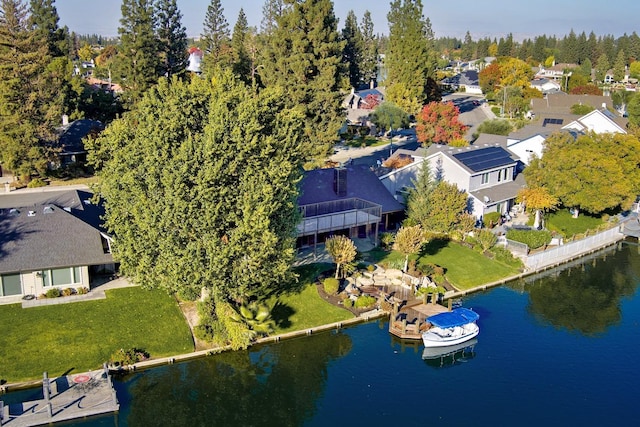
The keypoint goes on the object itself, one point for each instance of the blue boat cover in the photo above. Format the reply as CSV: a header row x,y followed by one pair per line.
x,y
458,317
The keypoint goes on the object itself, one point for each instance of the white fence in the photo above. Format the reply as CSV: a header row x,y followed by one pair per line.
x,y
573,249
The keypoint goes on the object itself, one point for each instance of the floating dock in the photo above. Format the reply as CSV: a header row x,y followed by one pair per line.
x,y
65,398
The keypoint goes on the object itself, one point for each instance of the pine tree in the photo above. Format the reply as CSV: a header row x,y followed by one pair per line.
x,y
468,47
172,39
239,41
602,66
23,56
44,19
272,10
369,60
410,57
352,51
215,37
302,56
619,67
138,57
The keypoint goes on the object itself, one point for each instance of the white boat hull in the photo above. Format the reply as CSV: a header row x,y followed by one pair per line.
x,y
444,337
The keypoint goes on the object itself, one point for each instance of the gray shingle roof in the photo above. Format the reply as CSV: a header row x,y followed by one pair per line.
x,y
47,240
317,187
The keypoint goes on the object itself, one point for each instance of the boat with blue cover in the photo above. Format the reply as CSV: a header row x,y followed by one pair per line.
x,y
451,328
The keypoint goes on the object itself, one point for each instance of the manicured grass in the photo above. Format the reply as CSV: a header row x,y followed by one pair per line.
x,y
302,307
368,141
563,222
465,268
81,336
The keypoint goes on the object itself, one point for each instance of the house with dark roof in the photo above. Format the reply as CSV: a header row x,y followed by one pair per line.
x,y
50,239
348,200
70,143
487,172
466,81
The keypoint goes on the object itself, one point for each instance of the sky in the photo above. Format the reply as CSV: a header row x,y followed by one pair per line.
x,y
482,18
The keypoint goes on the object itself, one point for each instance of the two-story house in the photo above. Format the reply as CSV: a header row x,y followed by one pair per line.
x,y
488,173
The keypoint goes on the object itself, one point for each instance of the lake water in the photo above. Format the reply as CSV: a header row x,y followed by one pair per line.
x,y
555,350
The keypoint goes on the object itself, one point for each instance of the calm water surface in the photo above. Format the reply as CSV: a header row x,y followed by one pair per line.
x,y
554,350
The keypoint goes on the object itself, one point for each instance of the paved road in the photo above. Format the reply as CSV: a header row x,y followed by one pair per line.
x,y
473,110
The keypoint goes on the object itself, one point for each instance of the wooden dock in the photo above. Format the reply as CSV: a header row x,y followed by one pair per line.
x,y
409,322
65,398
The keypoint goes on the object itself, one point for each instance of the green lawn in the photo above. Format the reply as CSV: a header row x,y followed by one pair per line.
x,y
465,268
301,307
81,336
563,222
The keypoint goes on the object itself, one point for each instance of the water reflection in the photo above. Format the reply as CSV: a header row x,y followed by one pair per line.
x,y
269,385
586,297
440,357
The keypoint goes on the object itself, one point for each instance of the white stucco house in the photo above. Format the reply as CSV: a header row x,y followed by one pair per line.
x,y
529,141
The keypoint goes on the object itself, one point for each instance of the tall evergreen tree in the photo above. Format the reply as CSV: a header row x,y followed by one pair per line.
x,y
369,60
352,51
44,19
215,35
172,39
138,55
468,48
303,57
602,66
272,10
619,67
242,63
23,57
410,58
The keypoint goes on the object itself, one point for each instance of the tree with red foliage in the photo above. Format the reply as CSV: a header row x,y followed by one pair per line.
x,y
438,123
589,89
370,102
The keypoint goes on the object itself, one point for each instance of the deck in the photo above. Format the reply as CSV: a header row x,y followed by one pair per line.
x,y
410,320
65,398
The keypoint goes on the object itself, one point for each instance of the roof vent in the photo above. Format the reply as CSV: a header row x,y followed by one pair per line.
x,y
31,213
14,212
487,199
47,210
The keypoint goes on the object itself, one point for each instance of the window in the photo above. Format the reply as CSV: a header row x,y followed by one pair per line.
x,y
502,174
62,276
485,178
10,284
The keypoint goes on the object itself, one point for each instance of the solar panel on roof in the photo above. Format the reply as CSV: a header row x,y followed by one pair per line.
x,y
484,159
551,121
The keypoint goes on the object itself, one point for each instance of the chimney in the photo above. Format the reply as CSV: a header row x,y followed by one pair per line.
x,y
65,120
340,181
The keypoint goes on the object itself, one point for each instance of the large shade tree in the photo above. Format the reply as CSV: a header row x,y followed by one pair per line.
x,y
592,172
200,188
438,123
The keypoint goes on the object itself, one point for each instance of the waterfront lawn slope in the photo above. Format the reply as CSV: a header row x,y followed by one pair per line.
x,y
464,267
80,336
301,307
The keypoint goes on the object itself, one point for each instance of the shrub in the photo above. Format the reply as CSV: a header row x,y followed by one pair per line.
x,y
188,293
486,239
386,240
438,278
128,357
67,292
53,293
532,238
331,285
371,268
397,162
38,182
347,302
365,301
82,290
496,127
491,219
504,256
